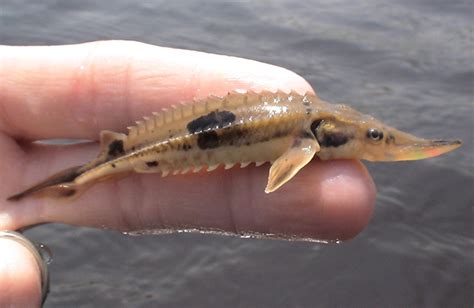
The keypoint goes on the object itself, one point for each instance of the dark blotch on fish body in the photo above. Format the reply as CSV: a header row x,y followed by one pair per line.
x,y
116,148
213,120
153,163
208,140
233,136
334,140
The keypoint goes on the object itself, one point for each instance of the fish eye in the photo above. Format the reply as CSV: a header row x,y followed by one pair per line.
x,y
374,134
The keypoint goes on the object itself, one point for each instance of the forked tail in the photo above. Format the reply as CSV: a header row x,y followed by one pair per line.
x,y
59,185
63,185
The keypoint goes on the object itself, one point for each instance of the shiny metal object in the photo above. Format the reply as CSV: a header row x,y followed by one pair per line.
x,y
20,238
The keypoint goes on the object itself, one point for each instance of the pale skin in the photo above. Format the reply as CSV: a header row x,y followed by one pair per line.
x,y
78,90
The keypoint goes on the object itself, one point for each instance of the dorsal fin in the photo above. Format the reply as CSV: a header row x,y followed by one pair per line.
x,y
111,144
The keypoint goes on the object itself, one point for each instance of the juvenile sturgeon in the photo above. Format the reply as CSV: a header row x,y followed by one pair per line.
x,y
285,129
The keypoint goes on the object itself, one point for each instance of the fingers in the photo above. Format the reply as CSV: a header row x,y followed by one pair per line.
x,y
76,91
20,278
326,201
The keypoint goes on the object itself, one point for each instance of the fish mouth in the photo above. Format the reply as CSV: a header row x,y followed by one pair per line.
x,y
421,148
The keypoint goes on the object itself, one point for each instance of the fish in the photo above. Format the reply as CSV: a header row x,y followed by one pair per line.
x,y
288,130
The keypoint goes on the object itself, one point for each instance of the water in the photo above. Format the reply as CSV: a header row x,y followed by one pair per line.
x,y
409,63
243,235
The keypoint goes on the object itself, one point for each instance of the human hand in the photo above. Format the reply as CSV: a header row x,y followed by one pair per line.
x,y
24,279
76,91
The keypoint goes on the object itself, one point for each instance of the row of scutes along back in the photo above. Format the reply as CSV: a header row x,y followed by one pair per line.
x,y
155,126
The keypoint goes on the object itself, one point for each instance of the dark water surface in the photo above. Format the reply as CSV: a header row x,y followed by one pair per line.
x,y
409,63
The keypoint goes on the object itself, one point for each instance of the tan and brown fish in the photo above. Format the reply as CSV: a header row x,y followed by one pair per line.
x,y
287,130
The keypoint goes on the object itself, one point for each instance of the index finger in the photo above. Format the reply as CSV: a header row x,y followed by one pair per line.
x,y
75,91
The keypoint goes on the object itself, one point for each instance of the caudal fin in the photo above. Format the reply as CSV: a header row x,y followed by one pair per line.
x,y
59,185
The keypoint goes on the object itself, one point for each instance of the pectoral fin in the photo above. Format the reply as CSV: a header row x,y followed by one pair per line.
x,y
295,158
